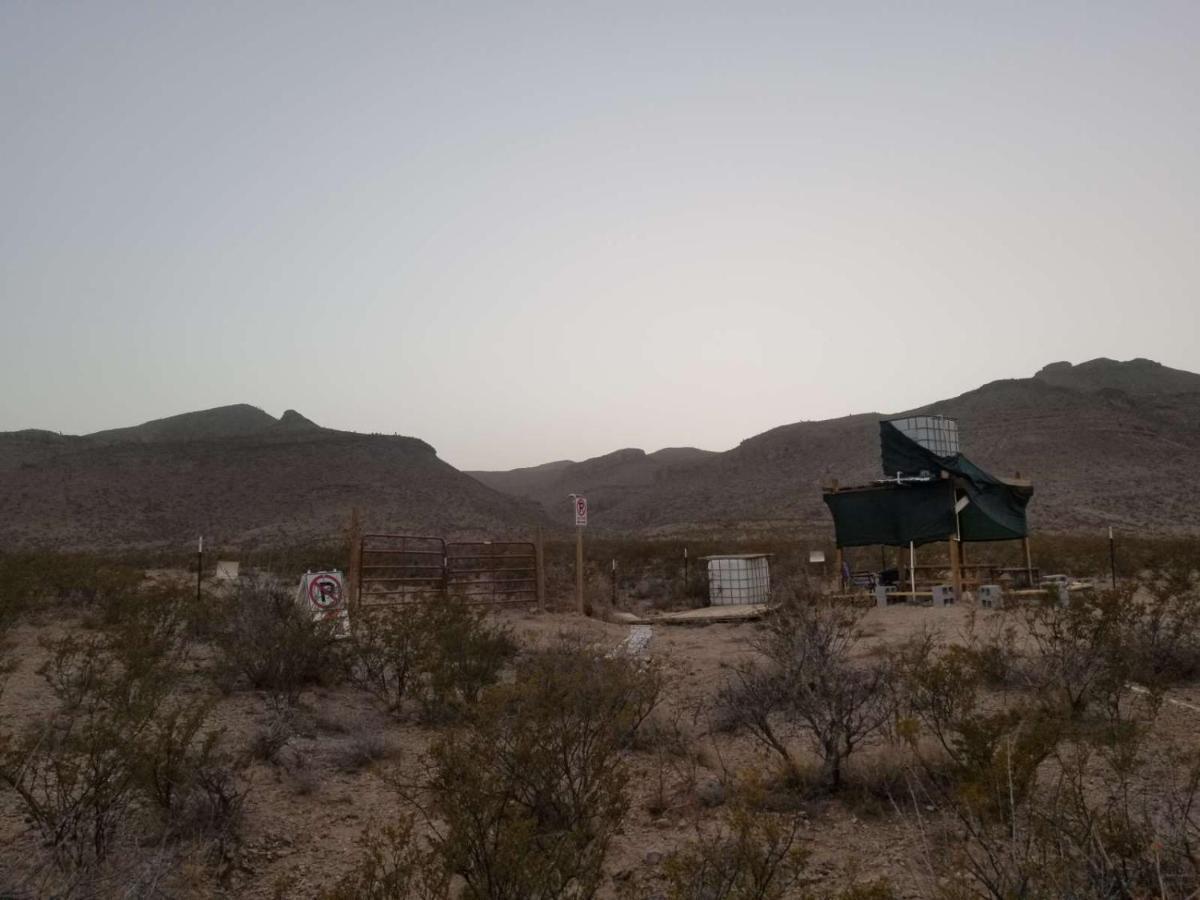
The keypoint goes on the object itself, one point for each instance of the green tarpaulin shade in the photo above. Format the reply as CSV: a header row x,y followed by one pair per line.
x,y
921,512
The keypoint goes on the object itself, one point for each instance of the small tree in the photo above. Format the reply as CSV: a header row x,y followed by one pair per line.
x,y
809,681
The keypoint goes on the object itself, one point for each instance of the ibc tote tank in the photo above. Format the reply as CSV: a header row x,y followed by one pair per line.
x,y
738,579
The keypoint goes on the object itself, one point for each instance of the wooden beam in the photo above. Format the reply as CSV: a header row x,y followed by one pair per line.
x,y
1028,563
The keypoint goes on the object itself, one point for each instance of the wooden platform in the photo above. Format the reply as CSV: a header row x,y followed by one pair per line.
x,y
705,615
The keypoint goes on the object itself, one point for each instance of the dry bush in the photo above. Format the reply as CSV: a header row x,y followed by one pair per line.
x,y
1165,644
440,653
809,682
1083,649
1094,824
268,641
121,753
752,856
1045,803
526,797
393,866
363,751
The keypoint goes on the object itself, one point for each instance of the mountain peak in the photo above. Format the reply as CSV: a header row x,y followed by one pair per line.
x,y
218,422
1137,377
292,420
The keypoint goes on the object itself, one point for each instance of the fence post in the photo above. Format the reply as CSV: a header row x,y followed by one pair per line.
x,y
355,563
540,574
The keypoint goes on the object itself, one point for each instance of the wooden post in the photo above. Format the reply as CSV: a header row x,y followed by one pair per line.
x,y
1028,562
539,554
912,569
354,535
955,570
838,561
579,571
199,567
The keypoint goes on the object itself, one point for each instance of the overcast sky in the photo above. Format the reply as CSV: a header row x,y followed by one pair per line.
x,y
528,232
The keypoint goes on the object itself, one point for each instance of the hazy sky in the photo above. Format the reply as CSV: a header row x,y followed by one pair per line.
x,y
526,232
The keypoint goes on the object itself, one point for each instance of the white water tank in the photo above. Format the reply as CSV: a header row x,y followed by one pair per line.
x,y
738,579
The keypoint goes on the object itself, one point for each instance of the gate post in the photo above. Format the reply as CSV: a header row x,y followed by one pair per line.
x,y
355,564
539,555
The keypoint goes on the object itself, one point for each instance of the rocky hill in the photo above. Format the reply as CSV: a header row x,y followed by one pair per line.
x,y
236,475
616,477
1105,442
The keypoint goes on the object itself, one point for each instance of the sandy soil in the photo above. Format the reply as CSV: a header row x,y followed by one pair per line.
x,y
303,817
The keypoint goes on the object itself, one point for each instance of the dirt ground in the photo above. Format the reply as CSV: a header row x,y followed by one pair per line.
x,y
305,812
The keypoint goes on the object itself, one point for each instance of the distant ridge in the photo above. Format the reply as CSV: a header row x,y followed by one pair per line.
x,y
238,476
222,421
1137,377
1106,443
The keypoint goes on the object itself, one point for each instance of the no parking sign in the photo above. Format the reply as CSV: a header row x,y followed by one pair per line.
x,y
323,594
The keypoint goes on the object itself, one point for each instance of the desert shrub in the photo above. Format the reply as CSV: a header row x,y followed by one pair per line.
x,y
84,580
990,754
1083,649
272,644
363,750
119,752
809,682
269,739
750,856
1165,643
525,798
392,866
439,653
1097,825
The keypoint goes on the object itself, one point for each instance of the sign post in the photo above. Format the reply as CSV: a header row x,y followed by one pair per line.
x,y
199,566
581,517
1112,556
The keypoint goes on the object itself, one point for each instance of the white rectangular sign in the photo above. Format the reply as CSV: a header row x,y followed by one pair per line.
x,y
581,511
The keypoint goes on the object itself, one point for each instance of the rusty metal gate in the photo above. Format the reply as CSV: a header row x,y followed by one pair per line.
x,y
398,568
492,571
395,568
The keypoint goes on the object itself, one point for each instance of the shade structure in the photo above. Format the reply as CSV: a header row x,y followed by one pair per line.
x,y
926,497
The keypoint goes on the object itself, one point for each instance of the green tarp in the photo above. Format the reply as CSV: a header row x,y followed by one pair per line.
x,y
923,511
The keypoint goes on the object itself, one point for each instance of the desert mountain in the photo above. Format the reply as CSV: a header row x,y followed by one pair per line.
x,y
615,477
235,474
1105,442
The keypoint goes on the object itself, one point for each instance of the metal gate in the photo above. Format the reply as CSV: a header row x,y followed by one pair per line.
x,y
398,568
492,571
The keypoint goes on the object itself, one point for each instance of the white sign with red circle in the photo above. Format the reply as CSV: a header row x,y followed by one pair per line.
x,y
580,511
323,595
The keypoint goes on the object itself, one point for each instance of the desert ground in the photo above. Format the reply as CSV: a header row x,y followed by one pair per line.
x,y
315,772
